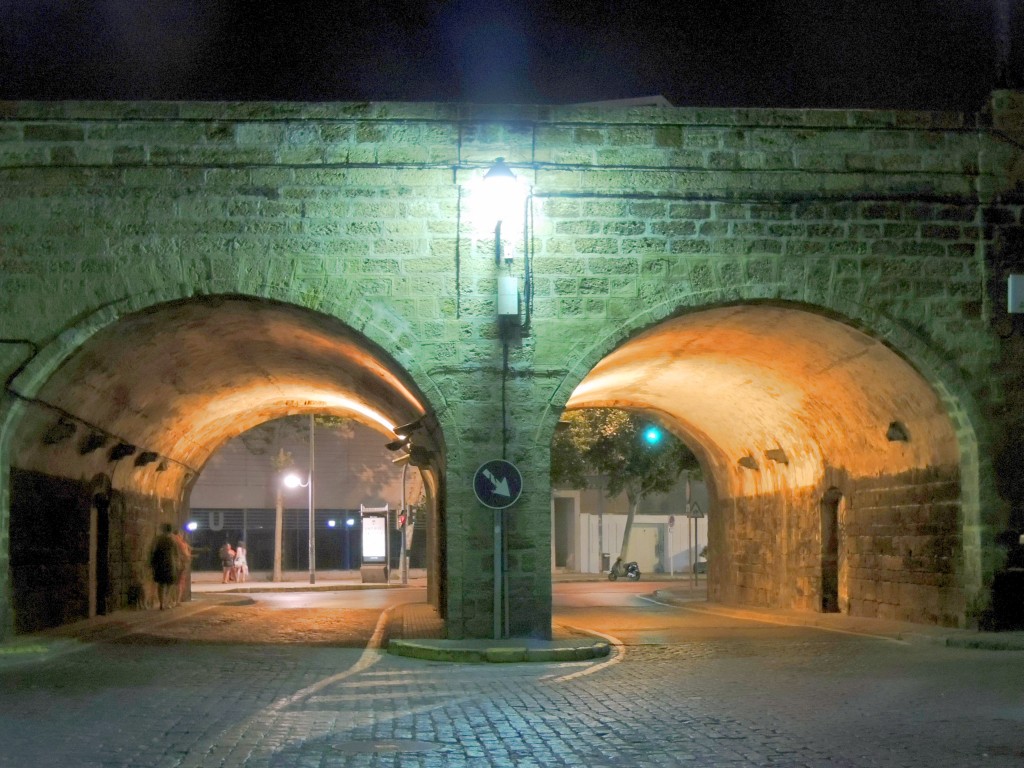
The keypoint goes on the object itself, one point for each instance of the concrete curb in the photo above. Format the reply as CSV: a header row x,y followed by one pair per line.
x,y
508,652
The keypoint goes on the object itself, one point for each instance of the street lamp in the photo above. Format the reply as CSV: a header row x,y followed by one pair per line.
x,y
292,480
504,197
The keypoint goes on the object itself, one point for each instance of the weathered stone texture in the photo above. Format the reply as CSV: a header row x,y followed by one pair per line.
x,y
886,219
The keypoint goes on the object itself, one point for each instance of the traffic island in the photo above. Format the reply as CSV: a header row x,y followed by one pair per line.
x,y
500,651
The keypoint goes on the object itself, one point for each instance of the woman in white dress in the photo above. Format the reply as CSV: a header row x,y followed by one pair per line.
x,y
241,566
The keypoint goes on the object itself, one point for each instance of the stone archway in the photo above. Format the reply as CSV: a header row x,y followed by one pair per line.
x,y
144,402
782,404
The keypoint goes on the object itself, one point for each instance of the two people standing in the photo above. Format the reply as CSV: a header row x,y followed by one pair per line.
x,y
234,563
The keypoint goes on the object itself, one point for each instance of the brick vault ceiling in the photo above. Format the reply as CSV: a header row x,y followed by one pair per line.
x,y
744,381
183,378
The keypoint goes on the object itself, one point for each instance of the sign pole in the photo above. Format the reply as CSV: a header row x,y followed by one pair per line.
x,y
497,574
497,485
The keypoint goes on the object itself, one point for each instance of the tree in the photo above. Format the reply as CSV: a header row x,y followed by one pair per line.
x,y
281,462
613,443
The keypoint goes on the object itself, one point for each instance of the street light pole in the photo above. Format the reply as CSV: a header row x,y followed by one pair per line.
x,y
312,516
404,565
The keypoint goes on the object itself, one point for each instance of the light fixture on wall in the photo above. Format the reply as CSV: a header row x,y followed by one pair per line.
x,y
407,429
897,432
121,450
503,201
748,462
59,431
91,441
146,457
777,455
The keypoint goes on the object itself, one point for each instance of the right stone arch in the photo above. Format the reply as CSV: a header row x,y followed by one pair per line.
x,y
786,405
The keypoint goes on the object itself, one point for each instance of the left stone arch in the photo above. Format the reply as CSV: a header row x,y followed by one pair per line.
x,y
145,396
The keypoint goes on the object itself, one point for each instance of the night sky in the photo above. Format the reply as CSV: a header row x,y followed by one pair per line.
x,y
917,54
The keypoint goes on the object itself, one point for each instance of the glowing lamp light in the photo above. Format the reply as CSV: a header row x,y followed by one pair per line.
x,y
191,525
350,522
502,196
292,480
652,435
332,523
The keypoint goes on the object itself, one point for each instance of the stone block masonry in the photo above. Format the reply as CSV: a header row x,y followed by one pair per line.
x,y
894,223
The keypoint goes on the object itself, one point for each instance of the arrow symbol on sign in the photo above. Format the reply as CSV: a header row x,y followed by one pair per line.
x,y
500,486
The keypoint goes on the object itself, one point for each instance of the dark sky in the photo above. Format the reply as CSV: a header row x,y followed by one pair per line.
x,y
920,54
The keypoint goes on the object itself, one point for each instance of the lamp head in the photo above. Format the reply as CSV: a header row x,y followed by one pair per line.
x,y
407,429
504,193
291,480
499,173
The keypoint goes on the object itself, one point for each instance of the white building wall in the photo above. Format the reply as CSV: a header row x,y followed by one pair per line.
x,y
656,546
351,467
680,546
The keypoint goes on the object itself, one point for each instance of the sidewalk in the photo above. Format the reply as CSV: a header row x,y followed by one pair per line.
x,y
298,581
857,625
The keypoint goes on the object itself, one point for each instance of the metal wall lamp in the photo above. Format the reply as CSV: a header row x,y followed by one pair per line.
x,y
121,450
897,433
59,431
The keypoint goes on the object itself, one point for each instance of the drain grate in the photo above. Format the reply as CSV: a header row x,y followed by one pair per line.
x,y
377,746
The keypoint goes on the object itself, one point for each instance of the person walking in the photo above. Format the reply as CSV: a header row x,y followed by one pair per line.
x,y
165,560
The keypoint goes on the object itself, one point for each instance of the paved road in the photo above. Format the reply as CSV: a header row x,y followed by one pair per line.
x,y
687,688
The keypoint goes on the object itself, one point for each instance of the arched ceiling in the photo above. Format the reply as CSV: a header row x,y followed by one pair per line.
x,y
181,379
769,385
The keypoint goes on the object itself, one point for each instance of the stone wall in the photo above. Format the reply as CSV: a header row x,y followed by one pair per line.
x,y
50,551
884,219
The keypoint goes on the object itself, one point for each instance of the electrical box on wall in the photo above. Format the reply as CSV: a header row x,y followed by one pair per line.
x,y
508,296
1015,293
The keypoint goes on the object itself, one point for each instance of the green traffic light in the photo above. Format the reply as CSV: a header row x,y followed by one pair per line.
x,y
652,435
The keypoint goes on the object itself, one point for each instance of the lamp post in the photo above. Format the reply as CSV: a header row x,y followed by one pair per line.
x,y
404,562
294,481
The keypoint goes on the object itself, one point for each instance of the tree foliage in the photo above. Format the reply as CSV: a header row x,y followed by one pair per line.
x,y
610,442
267,437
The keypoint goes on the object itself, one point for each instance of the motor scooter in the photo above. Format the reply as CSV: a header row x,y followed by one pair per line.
x,y
630,570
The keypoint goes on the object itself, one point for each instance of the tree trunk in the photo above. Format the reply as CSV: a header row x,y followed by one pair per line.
x,y
279,517
634,504
278,534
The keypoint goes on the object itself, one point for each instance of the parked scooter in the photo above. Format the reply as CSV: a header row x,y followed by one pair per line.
x,y
630,570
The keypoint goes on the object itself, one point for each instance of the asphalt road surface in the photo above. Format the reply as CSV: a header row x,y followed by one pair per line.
x,y
282,680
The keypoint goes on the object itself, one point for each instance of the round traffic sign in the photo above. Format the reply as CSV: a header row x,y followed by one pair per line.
x,y
498,484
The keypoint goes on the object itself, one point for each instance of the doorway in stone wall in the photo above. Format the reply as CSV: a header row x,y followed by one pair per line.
x,y
830,505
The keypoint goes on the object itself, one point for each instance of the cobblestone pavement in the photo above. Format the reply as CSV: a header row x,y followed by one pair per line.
x,y
686,689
